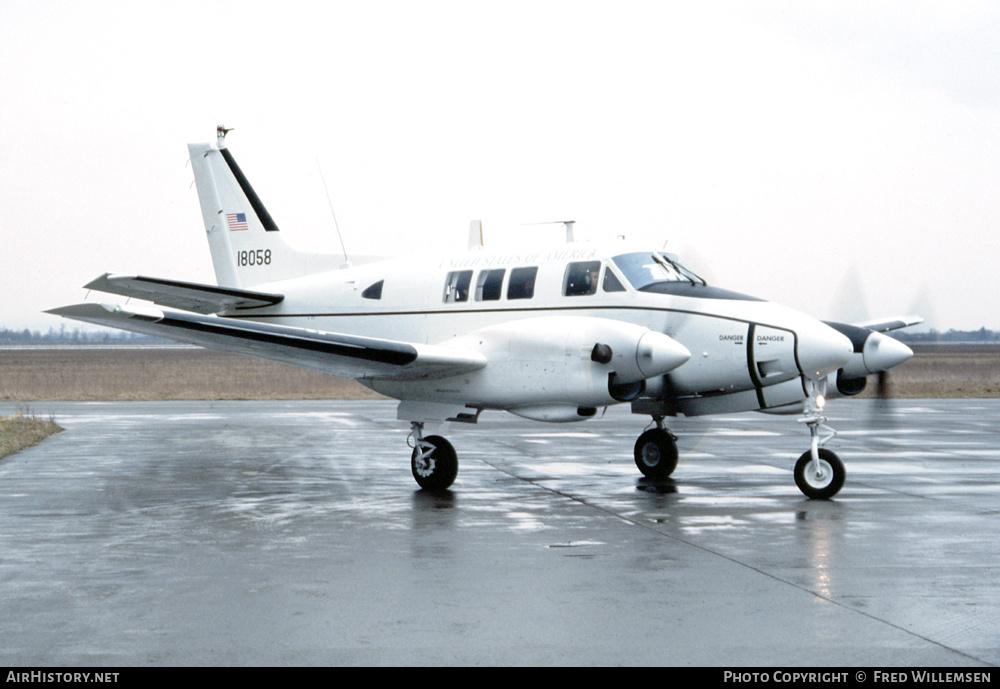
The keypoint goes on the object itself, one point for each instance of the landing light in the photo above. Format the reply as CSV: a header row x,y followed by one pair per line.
x,y
820,401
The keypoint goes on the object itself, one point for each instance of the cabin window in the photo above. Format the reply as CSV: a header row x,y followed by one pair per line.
x,y
489,285
611,282
581,278
456,287
522,283
373,291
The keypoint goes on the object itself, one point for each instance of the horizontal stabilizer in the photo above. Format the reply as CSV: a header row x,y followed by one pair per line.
x,y
348,356
884,325
188,296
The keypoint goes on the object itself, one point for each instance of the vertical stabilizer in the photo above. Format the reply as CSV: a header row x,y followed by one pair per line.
x,y
247,248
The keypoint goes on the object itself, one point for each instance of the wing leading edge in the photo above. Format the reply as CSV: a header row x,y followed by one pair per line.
x,y
885,325
349,356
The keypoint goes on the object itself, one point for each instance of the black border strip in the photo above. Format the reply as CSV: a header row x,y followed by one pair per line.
x,y
271,299
255,202
758,385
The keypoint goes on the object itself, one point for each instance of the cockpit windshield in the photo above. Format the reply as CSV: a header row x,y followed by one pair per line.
x,y
642,269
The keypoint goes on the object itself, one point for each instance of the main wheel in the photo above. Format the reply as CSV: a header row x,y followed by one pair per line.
x,y
438,470
656,454
822,484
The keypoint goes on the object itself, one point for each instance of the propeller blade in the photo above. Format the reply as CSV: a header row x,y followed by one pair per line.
x,y
882,389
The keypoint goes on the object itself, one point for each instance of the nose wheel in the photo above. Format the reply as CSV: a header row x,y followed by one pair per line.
x,y
819,478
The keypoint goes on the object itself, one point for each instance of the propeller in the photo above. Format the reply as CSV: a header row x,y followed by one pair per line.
x,y
880,352
883,412
882,388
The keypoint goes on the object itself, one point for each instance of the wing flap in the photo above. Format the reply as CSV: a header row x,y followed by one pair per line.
x,y
349,356
187,296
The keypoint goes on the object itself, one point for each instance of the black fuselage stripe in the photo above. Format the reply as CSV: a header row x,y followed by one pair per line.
x,y
255,202
541,309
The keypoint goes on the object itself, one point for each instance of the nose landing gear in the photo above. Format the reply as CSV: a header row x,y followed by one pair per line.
x,y
819,473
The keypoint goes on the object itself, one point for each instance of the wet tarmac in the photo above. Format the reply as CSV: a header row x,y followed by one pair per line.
x,y
292,533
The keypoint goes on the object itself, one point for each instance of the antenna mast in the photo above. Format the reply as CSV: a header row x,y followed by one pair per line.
x,y
336,225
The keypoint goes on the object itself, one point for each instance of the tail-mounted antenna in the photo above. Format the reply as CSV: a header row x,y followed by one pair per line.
x,y
221,132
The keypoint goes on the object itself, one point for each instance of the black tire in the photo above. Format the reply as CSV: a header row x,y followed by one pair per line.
x,y
825,485
438,471
656,454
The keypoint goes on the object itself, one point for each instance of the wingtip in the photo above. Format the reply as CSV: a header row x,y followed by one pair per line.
x,y
95,312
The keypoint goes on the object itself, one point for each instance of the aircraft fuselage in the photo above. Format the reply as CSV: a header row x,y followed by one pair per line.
x,y
745,353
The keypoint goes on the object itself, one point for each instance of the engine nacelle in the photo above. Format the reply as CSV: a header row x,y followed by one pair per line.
x,y
873,353
556,365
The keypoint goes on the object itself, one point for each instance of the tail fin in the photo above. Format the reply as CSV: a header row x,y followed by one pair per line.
x,y
247,248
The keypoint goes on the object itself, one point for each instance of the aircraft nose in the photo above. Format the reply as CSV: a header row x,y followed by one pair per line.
x,y
822,350
882,353
657,354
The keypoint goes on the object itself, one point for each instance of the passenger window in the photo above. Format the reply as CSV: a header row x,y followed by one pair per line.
x,y
373,291
522,283
489,285
611,282
581,278
456,287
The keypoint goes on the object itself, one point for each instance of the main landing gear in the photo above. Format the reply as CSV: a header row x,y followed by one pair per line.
x,y
434,461
656,452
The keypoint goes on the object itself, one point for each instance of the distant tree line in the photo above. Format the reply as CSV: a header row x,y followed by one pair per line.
x,y
64,336
982,335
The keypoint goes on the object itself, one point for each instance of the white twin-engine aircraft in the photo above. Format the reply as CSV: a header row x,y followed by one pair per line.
x,y
547,334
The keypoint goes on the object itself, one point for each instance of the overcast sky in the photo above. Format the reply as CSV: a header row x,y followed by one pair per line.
x,y
784,145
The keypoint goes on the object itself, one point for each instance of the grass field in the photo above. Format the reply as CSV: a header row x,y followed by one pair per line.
x,y
35,374
173,373
949,371
23,430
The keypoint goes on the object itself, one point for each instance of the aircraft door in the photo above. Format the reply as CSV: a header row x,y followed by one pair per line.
x,y
772,355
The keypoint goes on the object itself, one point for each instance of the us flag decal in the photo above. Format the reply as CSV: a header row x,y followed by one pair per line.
x,y
237,221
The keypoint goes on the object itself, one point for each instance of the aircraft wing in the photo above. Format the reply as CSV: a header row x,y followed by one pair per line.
x,y
348,356
884,325
189,296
